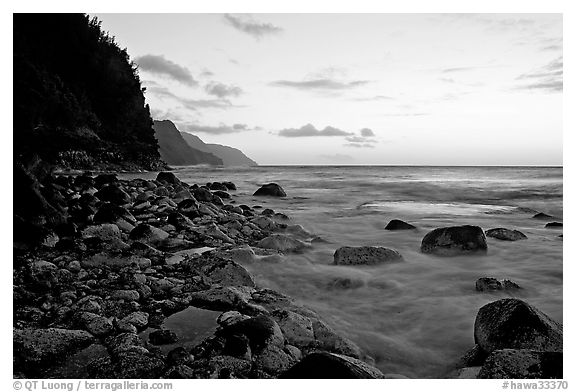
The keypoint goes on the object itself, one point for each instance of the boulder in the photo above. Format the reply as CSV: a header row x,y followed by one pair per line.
x,y
220,270
261,331
493,284
455,240
104,232
274,360
168,178
110,213
97,325
553,224
43,274
327,339
512,323
365,255
522,364
271,189
396,224
324,365
148,234
226,319
221,298
137,319
39,346
542,215
114,194
229,185
116,261
505,234
282,243
297,329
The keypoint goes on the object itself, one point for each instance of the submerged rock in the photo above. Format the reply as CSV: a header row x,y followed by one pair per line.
x,y
282,243
396,224
324,365
542,215
365,255
271,189
522,364
162,336
36,346
512,323
493,284
454,240
554,224
505,234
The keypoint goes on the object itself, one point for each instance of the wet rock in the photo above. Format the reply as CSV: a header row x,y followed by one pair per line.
x,y
180,372
512,323
167,177
237,346
123,326
271,189
265,223
178,356
222,194
297,329
221,298
365,255
450,241
493,284
396,224
126,295
104,232
162,336
174,245
324,365
221,271
542,215
261,331
274,360
226,366
39,346
226,319
522,364
327,339
467,373
229,185
242,255
553,225
95,324
135,364
282,243
505,234
137,319
114,194
148,234
123,342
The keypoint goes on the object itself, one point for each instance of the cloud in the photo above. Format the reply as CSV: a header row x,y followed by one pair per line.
x,y
373,98
359,145
325,84
222,90
248,25
189,103
367,132
160,66
240,127
309,130
459,69
548,78
221,129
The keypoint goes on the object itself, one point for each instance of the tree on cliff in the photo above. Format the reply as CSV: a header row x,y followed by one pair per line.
x,y
78,100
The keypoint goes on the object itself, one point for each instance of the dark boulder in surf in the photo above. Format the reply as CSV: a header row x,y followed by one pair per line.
x,y
365,255
451,241
167,177
522,364
324,365
396,224
505,234
271,189
512,323
553,224
493,284
542,215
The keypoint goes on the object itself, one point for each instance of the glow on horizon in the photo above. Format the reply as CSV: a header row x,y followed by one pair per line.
x,y
431,89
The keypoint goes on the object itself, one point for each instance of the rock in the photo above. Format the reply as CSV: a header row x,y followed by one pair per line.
x,y
221,271
467,373
120,216
493,284
222,194
116,261
148,234
123,326
126,295
95,324
365,255
512,323
43,274
265,223
542,215
327,339
137,319
344,284
553,224
242,255
113,194
522,364
226,366
450,241
123,342
168,178
324,365
203,194
180,372
274,360
105,178
271,189
221,298
505,234
297,329
40,346
135,364
174,245
104,232
282,243
162,336
261,331
226,319
74,266
396,224
178,356
229,185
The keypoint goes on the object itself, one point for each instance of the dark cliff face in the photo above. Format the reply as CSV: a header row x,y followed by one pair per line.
x,y
174,149
230,156
78,101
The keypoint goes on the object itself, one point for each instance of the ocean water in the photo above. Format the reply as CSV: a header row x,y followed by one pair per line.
x,y
414,317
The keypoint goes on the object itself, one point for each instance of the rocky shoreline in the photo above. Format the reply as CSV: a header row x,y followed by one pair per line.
x,y
113,258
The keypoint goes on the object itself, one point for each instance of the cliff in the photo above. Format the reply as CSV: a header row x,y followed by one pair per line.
x,y
229,155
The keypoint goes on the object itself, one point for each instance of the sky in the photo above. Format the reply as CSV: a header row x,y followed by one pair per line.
x,y
385,89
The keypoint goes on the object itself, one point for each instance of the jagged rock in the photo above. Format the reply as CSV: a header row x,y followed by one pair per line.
x,y
162,336
40,346
396,224
106,178
148,234
123,342
282,243
505,234
221,271
542,215
167,177
297,329
365,255
274,360
104,232
137,319
553,224
95,324
324,365
271,189
522,364
327,339
512,323
265,223
450,241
